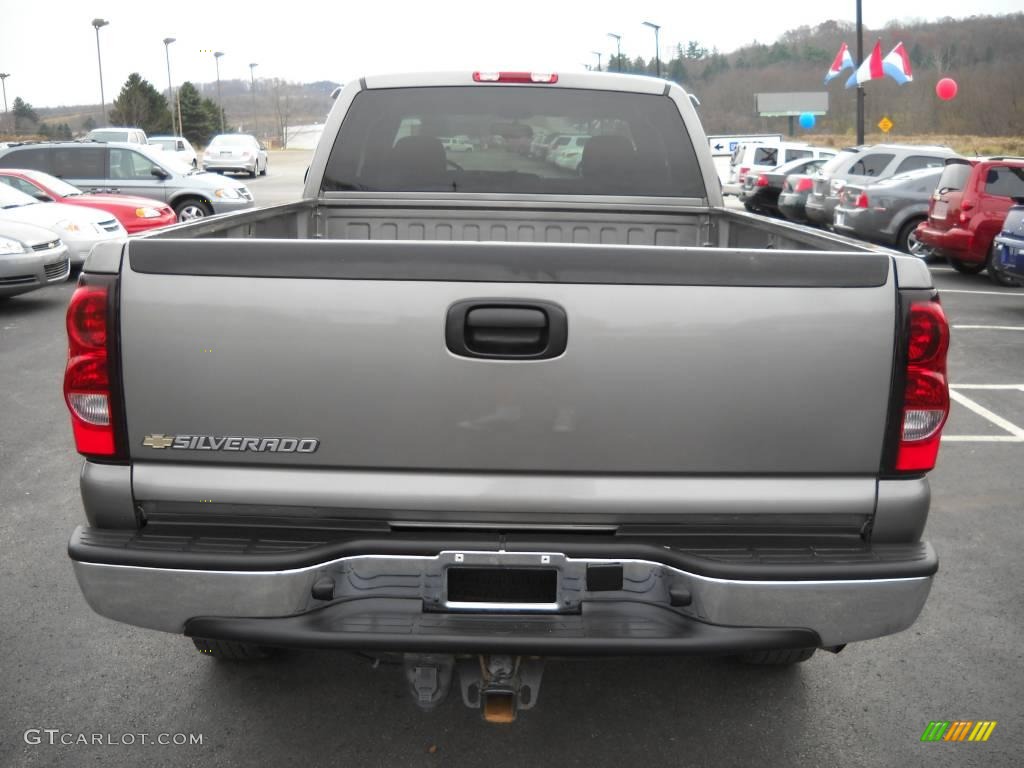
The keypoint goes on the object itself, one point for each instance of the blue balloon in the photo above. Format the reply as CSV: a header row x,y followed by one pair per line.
x,y
807,120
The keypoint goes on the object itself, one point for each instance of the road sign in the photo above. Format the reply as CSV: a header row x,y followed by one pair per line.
x,y
885,124
726,144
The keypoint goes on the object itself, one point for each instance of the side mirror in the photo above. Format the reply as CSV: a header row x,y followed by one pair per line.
x,y
159,172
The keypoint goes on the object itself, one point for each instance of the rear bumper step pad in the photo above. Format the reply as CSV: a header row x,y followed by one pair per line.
x,y
401,625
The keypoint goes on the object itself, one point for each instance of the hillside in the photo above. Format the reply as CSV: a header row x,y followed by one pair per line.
x,y
981,53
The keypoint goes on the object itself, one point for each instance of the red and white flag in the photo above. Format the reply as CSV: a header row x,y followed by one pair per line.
x,y
870,69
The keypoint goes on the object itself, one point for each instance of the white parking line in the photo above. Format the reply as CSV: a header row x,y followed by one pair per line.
x,y
982,293
982,439
987,386
989,327
1016,433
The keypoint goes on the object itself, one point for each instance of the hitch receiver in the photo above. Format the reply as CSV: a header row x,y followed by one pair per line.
x,y
500,685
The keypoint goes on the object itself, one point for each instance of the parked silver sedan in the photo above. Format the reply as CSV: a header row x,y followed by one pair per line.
x,y
888,211
238,152
30,258
80,228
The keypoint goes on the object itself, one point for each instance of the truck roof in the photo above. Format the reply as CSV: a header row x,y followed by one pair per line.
x,y
605,81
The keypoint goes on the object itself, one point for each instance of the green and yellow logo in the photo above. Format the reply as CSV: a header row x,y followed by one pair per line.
x,y
958,730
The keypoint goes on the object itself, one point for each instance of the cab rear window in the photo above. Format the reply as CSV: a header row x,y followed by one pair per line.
x,y
610,143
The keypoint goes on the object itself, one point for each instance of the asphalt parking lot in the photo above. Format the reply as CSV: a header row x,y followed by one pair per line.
x,y
65,668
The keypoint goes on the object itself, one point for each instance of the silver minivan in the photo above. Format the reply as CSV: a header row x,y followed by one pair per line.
x,y
132,169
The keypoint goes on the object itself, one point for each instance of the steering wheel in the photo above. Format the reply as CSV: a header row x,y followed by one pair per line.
x,y
455,165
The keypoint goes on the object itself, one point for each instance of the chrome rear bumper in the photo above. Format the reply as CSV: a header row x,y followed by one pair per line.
x,y
371,591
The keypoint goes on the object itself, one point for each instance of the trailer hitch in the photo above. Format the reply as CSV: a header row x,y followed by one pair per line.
x,y
500,685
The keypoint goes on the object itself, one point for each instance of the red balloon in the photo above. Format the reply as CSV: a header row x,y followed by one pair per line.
x,y
946,88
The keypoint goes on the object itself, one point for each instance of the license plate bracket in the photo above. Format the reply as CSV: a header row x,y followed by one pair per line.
x,y
501,585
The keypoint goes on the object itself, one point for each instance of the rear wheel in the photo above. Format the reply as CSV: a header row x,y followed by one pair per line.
x,y
264,171
230,650
997,277
190,209
966,267
908,243
777,658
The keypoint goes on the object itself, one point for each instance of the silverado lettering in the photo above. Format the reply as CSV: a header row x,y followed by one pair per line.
x,y
211,443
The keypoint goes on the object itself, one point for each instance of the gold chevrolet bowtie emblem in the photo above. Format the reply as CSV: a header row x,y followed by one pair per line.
x,y
158,441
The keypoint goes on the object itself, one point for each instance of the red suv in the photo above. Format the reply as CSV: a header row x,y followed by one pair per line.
x,y
968,209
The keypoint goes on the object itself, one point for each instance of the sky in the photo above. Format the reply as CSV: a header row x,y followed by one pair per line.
x,y
49,46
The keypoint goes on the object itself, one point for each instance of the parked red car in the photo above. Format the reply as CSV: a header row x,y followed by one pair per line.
x,y
136,214
968,209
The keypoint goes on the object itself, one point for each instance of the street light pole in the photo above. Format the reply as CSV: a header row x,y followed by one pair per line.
x,y
598,54
3,82
97,24
220,104
618,50
657,48
170,87
252,79
860,88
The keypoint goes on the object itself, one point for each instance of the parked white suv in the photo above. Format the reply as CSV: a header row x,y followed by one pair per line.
x,y
756,156
127,135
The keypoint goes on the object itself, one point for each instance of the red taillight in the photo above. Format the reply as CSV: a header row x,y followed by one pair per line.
x,y
87,319
762,180
862,200
804,185
743,173
87,380
965,205
515,77
926,390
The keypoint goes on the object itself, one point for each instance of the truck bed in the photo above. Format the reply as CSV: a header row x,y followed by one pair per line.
x,y
390,217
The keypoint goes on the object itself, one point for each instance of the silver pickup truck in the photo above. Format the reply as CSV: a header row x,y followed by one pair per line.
x,y
474,411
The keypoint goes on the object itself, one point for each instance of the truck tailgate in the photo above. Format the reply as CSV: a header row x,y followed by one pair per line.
x,y
677,360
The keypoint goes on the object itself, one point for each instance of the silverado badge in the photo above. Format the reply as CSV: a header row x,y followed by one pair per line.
x,y
233,443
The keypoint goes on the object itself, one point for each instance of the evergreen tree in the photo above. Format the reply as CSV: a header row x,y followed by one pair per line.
x,y
25,117
216,115
676,71
140,105
200,118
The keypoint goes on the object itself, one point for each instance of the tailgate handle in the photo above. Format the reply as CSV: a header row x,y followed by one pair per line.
x,y
506,329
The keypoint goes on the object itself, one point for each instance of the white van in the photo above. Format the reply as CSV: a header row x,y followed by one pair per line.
x,y
756,156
